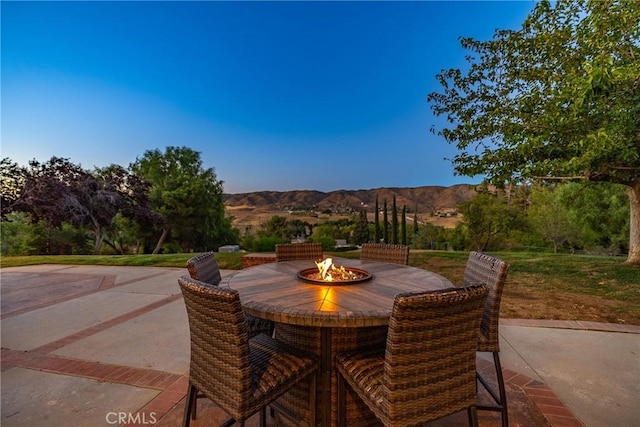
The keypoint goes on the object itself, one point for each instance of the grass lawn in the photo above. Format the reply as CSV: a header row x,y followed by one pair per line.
x,y
539,286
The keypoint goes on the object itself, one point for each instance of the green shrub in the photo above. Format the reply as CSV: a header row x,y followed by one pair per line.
x,y
266,244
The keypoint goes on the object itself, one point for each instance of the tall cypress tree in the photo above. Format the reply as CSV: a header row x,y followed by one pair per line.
x,y
361,232
376,222
385,223
415,221
403,226
394,222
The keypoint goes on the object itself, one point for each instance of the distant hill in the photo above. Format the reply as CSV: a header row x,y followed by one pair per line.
x,y
425,199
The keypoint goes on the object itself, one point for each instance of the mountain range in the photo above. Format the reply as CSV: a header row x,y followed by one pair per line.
x,y
426,199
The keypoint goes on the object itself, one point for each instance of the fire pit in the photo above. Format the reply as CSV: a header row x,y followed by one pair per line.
x,y
327,273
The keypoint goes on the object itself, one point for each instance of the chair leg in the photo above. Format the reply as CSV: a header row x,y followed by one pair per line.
x,y
189,404
501,389
342,401
312,399
263,417
501,397
194,409
472,412
230,422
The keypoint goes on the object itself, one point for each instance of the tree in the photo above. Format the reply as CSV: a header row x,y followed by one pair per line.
x,y
361,231
59,191
385,223
188,197
558,99
11,182
403,225
394,222
376,223
276,226
551,218
134,213
327,234
428,236
487,217
16,232
600,212
298,228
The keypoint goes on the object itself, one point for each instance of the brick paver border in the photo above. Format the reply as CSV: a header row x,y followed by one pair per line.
x,y
551,407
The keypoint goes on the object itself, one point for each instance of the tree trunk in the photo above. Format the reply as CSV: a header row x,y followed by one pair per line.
x,y
634,234
165,232
99,239
113,246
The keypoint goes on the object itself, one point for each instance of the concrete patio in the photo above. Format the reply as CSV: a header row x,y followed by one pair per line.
x,y
99,346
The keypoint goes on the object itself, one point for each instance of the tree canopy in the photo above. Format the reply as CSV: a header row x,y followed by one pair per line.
x,y
486,217
59,191
188,197
558,99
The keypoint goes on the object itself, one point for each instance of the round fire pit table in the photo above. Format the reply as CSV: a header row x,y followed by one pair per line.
x,y
328,319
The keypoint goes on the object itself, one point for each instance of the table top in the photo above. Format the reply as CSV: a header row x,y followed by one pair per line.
x,y
274,292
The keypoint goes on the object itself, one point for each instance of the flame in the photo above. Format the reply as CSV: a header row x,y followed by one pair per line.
x,y
324,267
329,272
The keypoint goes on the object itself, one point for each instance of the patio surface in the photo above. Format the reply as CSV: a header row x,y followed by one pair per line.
x,y
103,346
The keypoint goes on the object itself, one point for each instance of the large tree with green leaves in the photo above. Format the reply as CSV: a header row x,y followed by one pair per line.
x,y
558,99
12,178
187,196
134,212
600,212
59,191
550,218
488,219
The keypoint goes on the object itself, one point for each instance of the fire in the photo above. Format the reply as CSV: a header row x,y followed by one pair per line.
x,y
329,272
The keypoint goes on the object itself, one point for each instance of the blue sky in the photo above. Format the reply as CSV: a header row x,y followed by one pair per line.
x,y
274,95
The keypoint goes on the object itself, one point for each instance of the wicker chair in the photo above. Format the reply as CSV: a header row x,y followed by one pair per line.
x,y
398,254
204,268
492,271
296,251
241,375
427,370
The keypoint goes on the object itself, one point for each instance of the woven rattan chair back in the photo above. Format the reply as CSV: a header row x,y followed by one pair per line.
x,y
432,336
492,271
398,254
204,268
297,251
241,375
220,366
429,366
